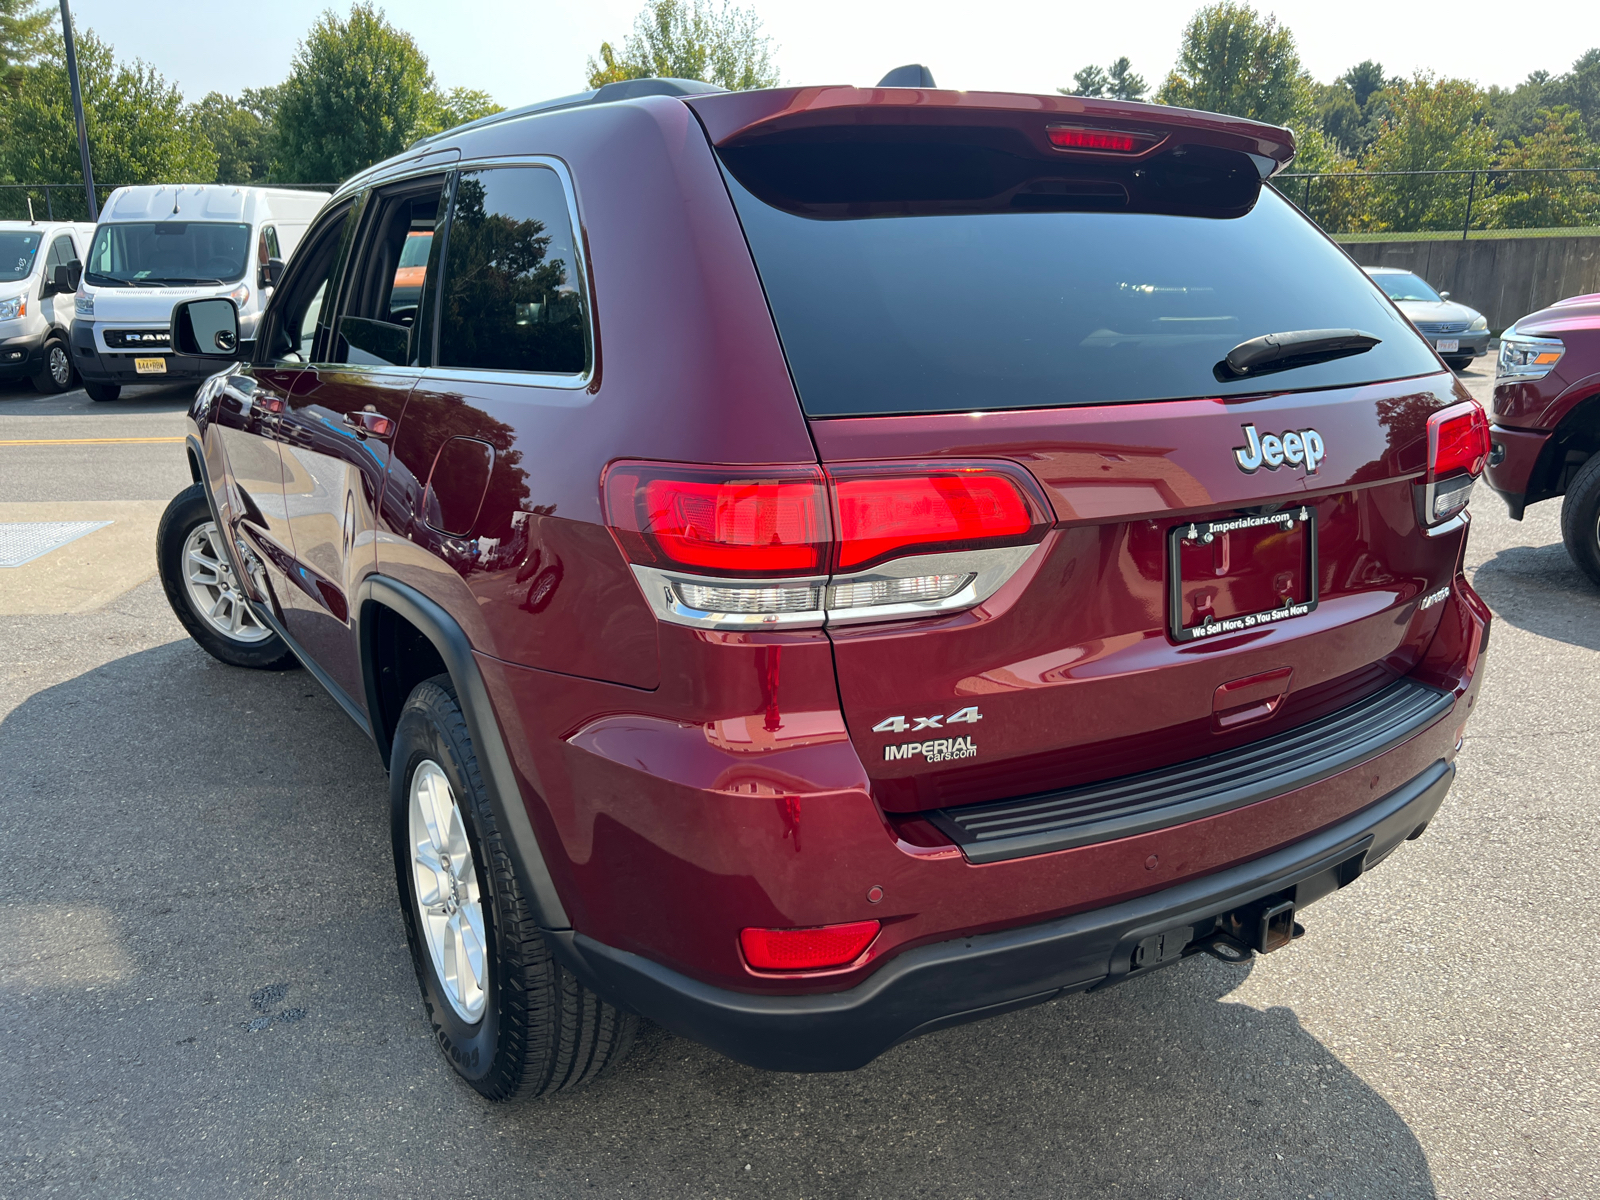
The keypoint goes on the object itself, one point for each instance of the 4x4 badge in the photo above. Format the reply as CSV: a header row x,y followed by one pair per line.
x,y
1297,447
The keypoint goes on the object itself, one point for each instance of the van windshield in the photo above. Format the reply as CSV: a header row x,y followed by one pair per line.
x,y
997,310
17,251
167,253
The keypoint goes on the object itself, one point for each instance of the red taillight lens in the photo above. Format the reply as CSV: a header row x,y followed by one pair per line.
x,y
806,949
881,516
1117,141
765,521
1458,440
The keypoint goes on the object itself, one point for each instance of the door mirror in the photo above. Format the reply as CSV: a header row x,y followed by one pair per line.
x,y
206,329
270,273
74,275
61,283
1444,295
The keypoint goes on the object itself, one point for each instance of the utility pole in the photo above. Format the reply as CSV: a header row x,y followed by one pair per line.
x,y
77,111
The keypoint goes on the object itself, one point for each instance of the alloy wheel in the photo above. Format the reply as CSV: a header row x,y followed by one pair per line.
x,y
214,592
449,902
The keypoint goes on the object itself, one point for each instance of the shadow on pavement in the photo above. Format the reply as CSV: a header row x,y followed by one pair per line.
x,y
248,1016
1538,588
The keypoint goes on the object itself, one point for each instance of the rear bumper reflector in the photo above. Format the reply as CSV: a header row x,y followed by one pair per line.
x,y
1133,804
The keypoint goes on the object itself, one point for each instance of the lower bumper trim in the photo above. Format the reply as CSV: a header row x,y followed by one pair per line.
x,y
966,979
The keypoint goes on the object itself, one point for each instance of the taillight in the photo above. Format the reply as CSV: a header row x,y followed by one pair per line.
x,y
735,547
882,516
806,949
1458,449
758,521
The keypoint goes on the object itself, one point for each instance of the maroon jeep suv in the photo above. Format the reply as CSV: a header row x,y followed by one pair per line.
x,y
826,564
1546,429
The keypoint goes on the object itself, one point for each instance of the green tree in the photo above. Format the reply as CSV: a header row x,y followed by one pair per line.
x,y
1232,61
1579,89
1433,125
359,91
1116,82
241,132
691,39
1547,200
140,130
1350,110
27,33
446,110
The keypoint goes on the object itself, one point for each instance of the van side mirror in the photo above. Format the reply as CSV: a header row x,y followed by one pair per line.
x,y
74,275
206,328
270,273
61,282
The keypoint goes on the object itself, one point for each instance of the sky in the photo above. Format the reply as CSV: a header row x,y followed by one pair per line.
x,y
520,51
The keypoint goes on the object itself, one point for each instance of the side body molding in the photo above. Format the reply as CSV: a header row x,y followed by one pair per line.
x,y
505,797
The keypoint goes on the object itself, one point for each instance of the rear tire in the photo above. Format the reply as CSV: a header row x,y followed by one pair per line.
x,y
103,392
205,596
511,1020
1580,519
55,373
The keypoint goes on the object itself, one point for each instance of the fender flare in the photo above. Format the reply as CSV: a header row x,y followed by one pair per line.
x,y
500,780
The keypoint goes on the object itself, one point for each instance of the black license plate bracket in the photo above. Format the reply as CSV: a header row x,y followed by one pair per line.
x,y
1277,559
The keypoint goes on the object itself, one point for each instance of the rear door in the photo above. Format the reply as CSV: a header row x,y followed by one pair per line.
x,y
1227,555
340,418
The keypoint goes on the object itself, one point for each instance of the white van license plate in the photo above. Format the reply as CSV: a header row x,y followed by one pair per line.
x,y
1448,345
150,366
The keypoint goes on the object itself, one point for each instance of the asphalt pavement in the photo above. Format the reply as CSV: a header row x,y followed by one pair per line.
x,y
205,989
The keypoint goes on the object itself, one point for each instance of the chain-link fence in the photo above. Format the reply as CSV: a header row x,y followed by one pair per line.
x,y
1493,202
67,202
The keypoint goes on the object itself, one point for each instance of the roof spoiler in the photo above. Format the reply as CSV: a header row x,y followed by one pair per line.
x,y
745,118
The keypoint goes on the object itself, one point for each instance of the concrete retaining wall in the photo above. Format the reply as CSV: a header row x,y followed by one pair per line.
x,y
1503,278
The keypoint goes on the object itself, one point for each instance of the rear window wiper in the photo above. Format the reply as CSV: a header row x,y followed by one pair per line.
x,y
1285,351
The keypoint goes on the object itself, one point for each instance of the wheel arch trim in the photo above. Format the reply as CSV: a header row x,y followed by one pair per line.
x,y
500,780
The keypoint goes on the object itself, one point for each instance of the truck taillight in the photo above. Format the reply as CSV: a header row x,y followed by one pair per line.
x,y
1458,449
789,547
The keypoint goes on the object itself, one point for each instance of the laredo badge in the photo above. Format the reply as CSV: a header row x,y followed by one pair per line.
x,y
935,750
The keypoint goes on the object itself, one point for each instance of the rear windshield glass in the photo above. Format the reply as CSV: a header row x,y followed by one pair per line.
x,y
1037,309
16,255
161,253
1404,286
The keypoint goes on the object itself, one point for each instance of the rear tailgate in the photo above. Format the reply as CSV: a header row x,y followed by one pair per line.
x,y
1071,673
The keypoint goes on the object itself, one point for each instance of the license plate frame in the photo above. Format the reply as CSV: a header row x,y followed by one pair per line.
x,y
1448,345
1194,532
150,366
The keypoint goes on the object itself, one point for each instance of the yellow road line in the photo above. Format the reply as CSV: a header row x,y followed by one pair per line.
x,y
85,441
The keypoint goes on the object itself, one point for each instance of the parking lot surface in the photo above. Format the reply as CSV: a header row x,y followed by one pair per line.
x,y
205,988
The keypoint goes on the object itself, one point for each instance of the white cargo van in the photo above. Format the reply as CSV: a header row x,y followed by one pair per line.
x,y
160,243
39,266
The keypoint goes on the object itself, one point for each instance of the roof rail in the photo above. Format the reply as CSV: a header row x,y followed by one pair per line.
x,y
623,89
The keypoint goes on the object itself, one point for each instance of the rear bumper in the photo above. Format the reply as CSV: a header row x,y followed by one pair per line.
x,y
966,979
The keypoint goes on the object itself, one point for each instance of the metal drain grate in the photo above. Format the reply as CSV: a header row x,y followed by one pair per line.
x,y
24,541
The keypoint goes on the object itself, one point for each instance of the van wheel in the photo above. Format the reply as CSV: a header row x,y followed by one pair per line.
x,y
205,596
1580,519
55,368
511,1020
103,391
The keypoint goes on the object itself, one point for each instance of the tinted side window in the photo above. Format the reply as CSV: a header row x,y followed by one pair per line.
x,y
299,318
61,253
379,324
512,297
